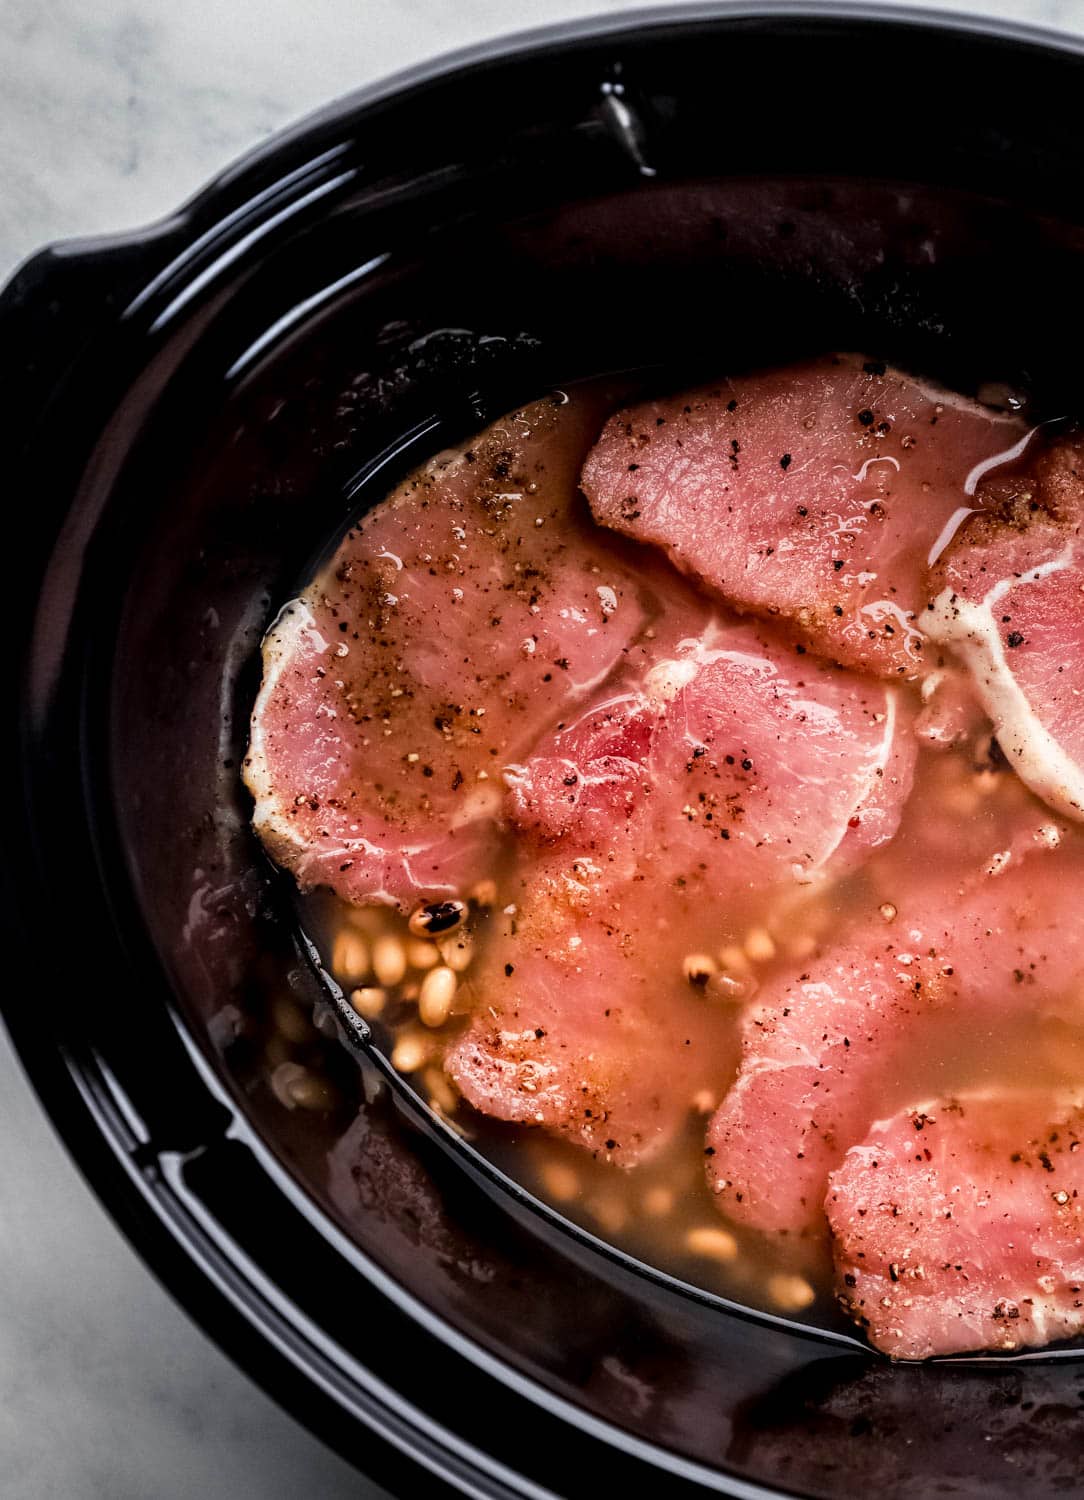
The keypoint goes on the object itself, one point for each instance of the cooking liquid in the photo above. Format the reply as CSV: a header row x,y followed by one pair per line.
x,y
966,805
662,1212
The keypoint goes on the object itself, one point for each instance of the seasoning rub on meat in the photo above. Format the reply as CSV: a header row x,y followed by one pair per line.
x,y
723,812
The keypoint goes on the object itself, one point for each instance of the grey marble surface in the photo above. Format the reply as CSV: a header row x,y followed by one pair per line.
x,y
113,112
110,114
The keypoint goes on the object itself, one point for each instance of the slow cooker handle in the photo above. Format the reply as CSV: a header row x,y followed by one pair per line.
x,y
55,304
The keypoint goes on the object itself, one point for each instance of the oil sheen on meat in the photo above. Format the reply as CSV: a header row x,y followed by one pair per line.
x,y
689,790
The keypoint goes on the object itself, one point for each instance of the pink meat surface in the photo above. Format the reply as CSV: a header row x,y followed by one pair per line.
x,y
455,623
951,714
812,494
830,1043
1010,602
731,764
583,1022
655,823
960,1225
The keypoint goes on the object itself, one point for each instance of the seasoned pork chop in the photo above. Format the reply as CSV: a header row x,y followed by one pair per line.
x,y
452,626
1009,600
826,1041
655,824
812,495
959,1225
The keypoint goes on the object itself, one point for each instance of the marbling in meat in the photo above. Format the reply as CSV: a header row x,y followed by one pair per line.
x,y
453,625
659,819
731,763
812,495
1009,600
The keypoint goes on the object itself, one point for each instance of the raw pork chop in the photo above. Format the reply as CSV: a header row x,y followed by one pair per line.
x,y
1010,603
827,1040
584,1022
960,1225
454,623
661,817
813,494
733,763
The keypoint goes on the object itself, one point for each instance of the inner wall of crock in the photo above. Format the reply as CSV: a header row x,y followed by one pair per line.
x,y
239,480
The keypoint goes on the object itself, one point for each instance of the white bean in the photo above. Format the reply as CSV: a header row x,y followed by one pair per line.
x,y
436,997
457,951
350,957
716,1244
733,959
368,1002
294,1085
790,1293
436,918
658,1202
759,945
611,1214
442,1095
410,1052
560,1181
421,955
389,961
484,893
698,967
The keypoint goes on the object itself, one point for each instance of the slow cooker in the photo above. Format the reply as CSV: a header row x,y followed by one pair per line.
x,y
192,412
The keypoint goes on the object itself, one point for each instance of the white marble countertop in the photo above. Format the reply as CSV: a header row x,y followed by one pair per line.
x,y
111,114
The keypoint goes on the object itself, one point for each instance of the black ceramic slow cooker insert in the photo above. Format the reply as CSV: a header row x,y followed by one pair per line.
x,y
192,413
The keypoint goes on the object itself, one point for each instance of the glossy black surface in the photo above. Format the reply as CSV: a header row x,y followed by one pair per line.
x,y
187,412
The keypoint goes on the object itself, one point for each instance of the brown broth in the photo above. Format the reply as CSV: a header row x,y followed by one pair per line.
x,y
662,1211
964,801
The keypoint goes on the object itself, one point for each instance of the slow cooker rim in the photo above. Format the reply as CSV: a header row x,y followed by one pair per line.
x,y
604,26
531,42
